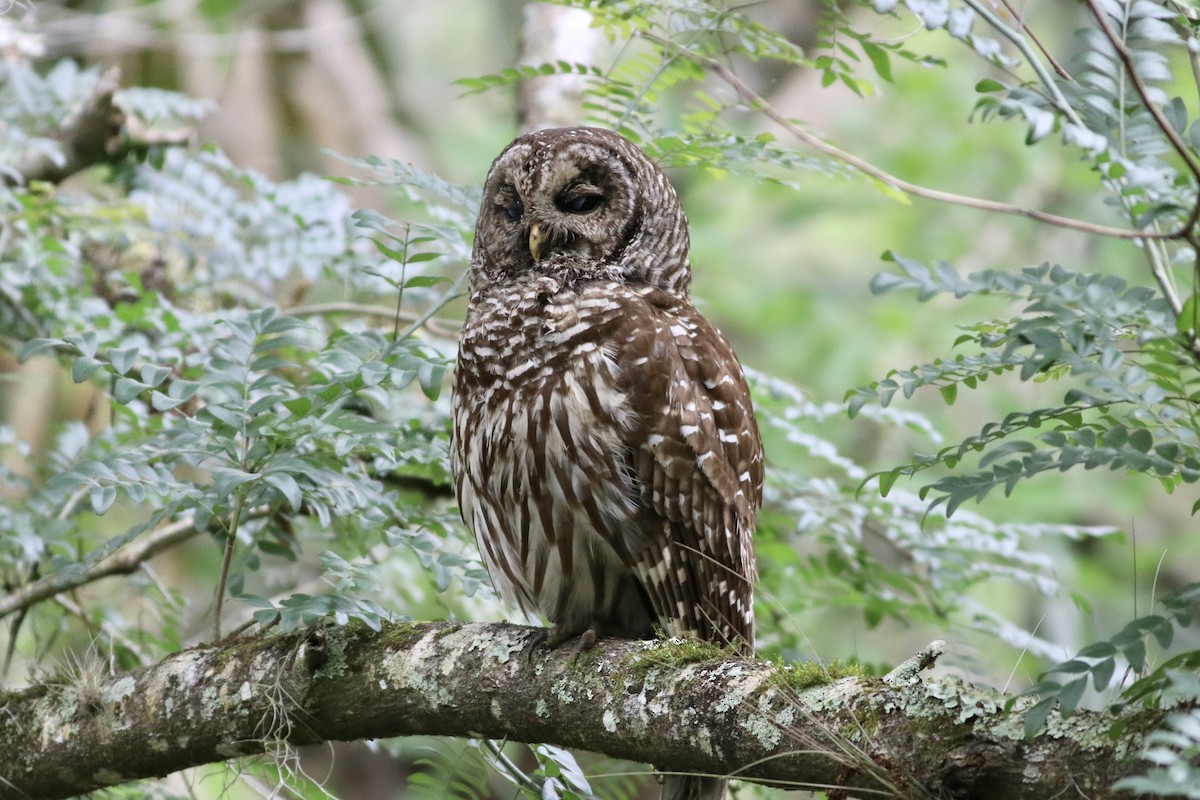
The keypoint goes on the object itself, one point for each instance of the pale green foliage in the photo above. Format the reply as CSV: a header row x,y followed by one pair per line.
x,y
1174,752
1063,685
824,538
1129,406
182,296
1124,348
285,433
1126,355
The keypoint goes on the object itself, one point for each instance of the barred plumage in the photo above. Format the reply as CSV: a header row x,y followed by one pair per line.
x,y
605,451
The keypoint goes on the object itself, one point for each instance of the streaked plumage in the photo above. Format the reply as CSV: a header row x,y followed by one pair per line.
x,y
605,451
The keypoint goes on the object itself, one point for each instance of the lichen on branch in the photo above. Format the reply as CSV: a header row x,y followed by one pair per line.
x,y
678,705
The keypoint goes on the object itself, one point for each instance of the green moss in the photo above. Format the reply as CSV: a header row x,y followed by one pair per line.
x,y
805,675
673,654
446,630
643,666
240,651
401,635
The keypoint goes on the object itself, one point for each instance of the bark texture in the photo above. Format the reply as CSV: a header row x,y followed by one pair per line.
x,y
679,706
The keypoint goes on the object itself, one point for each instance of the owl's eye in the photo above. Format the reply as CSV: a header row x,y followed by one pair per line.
x,y
513,211
580,204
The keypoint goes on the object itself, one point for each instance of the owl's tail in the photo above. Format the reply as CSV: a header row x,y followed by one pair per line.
x,y
694,787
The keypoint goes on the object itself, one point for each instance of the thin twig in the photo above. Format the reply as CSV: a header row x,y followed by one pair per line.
x,y
231,531
1187,230
760,104
120,562
435,325
1062,73
514,772
452,293
1139,86
1060,101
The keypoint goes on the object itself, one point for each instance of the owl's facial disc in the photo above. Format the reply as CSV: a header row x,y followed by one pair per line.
x,y
569,203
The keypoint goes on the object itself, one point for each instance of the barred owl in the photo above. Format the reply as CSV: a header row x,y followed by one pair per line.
x,y
605,452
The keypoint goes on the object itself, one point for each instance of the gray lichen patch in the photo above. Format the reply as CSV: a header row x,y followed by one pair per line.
x,y
774,713
739,687
402,669
334,666
969,702
500,648
564,690
118,690
764,729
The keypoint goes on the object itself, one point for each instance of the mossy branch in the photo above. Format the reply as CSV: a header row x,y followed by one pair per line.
x,y
680,706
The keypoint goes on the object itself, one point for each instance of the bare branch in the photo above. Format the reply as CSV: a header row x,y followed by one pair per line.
x,y
657,701
1020,18
757,102
120,562
914,666
1014,36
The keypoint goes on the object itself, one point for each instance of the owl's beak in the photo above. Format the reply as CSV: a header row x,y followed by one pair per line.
x,y
537,240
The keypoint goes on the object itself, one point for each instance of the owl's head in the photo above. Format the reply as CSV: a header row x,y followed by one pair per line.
x,y
584,199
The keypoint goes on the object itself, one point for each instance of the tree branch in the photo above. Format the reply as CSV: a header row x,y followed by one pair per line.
x,y
119,562
90,136
760,104
446,328
680,706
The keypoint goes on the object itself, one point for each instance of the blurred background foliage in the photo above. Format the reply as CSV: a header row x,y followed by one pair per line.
x,y
784,249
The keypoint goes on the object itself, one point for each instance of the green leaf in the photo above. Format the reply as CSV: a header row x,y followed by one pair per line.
x,y
126,389
122,359
83,368
421,281
417,258
1070,694
153,374
1097,650
879,60
33,347
287,486
226,479
1102,673
298,406
102,498
887,480
1188,321
1035,717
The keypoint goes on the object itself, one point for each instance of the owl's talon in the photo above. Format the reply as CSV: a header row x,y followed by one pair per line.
x,y
557,636
587,639
536,640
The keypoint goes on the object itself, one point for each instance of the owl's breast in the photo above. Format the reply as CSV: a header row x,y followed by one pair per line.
x,y
539,451
520,336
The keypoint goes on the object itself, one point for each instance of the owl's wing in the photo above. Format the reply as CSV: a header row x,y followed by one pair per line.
x,y
696,456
